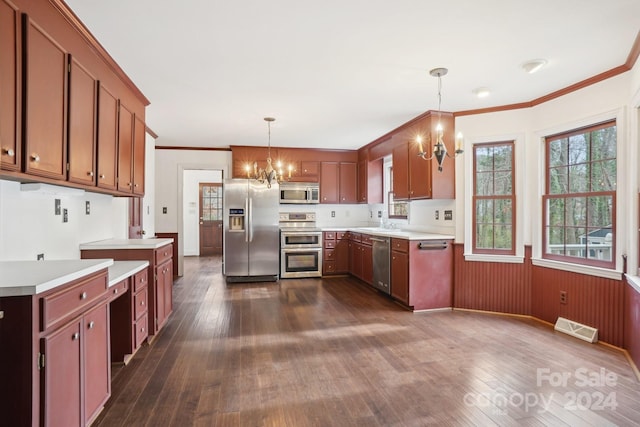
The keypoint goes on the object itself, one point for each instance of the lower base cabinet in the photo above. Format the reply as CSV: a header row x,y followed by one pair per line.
x,y
55,368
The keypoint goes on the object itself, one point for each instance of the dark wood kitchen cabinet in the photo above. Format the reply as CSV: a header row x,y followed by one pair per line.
x,y
415,178
45,130
422,273
361,257
138,156
160,273
83,103
338,182
335,253
10,83
370,181
125,149
56,370
107,162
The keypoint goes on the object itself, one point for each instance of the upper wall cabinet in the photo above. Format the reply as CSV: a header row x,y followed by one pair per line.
x,y
138,156
125,150
107,139
45,103
82,124
10,81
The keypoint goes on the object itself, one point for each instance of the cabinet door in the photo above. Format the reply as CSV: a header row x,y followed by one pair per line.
x,y
10,75
400,276
348,182
329,182
362,181
61,387
139,133
341,258
168,289
97,363
46,104
164,289
367,264
419,173
125,149
107,139
159,314
400,172
82,125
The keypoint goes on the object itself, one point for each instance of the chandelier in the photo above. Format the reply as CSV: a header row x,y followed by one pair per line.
x,y
269,174
440,149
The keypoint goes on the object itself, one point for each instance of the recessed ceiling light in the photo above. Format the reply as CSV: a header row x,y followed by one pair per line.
x,y
534,65
482,92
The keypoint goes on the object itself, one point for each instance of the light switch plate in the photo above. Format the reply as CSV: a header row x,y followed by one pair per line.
x,y
65,215
87,207
57,206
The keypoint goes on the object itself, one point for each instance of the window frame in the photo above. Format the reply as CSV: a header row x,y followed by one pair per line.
x,y
512,197
547,196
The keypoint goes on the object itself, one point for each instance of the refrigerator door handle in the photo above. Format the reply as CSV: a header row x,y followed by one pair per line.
x,y
250,219
247,218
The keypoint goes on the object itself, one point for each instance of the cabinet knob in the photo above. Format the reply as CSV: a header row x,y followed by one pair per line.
x,y
92,324
135,185
83,295
75,337
9,152
90,173
142,302
35,158
101,176
115,291
141,329
129,184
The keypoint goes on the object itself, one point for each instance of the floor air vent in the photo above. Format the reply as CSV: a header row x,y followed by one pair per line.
x,y
575,329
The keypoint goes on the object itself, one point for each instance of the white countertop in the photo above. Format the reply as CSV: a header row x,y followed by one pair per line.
x,y
33,277
126,244
120,270
394,232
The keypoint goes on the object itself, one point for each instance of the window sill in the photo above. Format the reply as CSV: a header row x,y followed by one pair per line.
x,y
634,282
576,268
512,259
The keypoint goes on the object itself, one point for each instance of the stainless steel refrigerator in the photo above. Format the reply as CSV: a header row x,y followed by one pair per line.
x,y
251,239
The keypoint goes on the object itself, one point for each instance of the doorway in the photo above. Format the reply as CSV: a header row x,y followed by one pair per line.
x,y
210,218
192,209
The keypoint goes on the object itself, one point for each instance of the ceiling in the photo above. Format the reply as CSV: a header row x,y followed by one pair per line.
x,y
341,73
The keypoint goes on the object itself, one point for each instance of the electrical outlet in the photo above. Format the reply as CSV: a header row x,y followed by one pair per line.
x,y
87,207
563,297
40,257
379,214
164,209
448,215
65,215
437,215
333,214
57,206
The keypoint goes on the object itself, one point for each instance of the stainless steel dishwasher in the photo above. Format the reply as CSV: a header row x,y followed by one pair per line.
x,y
381,261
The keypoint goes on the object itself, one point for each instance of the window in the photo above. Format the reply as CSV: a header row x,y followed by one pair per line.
x,y
494,198
580,195
397,209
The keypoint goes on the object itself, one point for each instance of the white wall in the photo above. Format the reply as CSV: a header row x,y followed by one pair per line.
x,y
191,206
148,201
607,99
29,226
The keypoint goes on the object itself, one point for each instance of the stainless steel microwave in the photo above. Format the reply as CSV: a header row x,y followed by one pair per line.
x,y
299,192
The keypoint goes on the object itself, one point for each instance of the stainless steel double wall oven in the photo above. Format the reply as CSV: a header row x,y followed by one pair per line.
x,y
300,245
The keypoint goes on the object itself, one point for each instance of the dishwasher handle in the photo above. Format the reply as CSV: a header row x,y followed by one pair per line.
x,y
429,246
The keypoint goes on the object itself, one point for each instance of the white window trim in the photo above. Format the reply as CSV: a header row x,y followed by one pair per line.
x,y
519,148
621,214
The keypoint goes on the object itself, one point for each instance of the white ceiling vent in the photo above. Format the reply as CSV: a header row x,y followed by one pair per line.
x,y
575,329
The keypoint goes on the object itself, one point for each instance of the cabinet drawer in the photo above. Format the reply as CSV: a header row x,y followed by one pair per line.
x,y
141,332
118,289
140,280
400,245
355,237
366,239
330,244
329,255
164,253
329,267
140,302
60,305
342,235
329,235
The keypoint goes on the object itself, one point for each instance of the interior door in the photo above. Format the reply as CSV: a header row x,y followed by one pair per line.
x,y
210,218
135,218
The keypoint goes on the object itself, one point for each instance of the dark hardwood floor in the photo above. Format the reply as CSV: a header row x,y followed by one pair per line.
x,y
333,352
